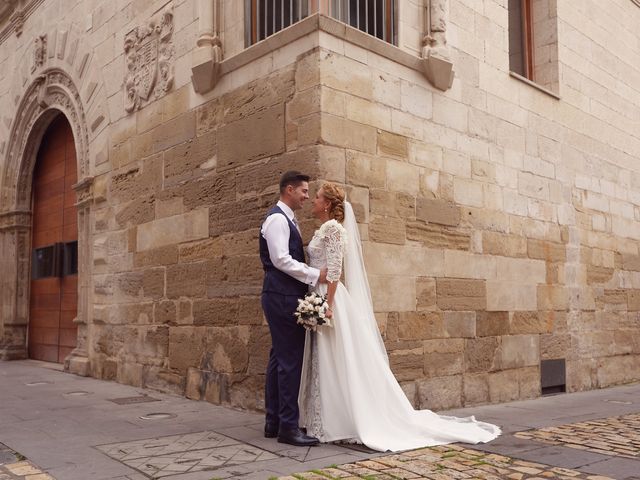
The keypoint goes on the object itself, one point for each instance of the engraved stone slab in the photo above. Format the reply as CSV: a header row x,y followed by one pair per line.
x,y
192,452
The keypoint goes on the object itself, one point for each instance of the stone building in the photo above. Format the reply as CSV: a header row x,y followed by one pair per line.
x,y
490,147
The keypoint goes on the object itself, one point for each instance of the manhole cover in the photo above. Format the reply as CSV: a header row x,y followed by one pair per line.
x,y
620,402
78,393
35,384
158,416
132,400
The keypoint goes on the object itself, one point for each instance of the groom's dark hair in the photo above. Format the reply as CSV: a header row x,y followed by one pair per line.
x,y
292,177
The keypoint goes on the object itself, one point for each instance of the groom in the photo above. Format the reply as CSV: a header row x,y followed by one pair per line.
x,y
286,279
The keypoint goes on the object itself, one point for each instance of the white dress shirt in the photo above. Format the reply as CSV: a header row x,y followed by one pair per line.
x,y
275,231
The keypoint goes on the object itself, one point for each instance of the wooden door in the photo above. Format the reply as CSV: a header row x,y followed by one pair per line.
x,y
54,279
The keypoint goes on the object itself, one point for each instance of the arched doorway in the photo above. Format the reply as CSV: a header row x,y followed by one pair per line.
x,y
53,306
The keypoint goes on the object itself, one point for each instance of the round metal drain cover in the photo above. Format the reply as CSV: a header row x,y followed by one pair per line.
x,y
619,402
34,384
158,416
77,394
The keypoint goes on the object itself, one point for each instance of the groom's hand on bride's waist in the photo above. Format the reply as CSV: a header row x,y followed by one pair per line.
x,y
323,276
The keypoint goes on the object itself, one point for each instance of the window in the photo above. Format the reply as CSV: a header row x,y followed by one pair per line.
x,y
533,42
70,258
271,16
521,38
57,260
46,262
375,17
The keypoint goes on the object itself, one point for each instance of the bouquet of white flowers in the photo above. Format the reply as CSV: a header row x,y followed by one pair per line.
x,y
311,311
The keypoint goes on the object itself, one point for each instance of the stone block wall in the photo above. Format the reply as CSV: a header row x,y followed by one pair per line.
x,y
176,266
498,225
499,222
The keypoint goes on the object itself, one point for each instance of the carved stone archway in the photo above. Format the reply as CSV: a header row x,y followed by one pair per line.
x,y
51,93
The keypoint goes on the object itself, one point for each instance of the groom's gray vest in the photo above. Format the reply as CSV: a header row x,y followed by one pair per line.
x,y
275,280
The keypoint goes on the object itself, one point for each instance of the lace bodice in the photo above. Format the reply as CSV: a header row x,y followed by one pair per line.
x,y
326,249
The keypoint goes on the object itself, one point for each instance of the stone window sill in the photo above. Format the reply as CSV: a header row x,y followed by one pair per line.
x,y
534,84
319,22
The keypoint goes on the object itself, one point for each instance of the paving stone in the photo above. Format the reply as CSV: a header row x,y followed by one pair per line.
x,y
33,416
447,462
7,457
179,454
614,436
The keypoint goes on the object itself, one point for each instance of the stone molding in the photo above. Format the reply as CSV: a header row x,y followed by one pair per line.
x,y
50,92
17,22
84,191
60,48
205,64
15,220
534,84
13,14
39,52
149,59
437,68
436,58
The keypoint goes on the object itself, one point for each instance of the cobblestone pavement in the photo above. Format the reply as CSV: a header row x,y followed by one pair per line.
x,y
616,436
22,470
14,467
444,463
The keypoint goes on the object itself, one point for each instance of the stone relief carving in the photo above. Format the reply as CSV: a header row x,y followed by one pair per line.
x,y
437,63
15,220
149,61
23,256
435,37
206,58
53,90
47,95
84,191
39,52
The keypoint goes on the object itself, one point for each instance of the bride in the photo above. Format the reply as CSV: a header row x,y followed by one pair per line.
x,y
348,391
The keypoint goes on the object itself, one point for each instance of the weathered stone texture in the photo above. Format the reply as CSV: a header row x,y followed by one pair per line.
x,y
461,294
436,236
387,230
499,224
392,144
437,211
440,393
250,138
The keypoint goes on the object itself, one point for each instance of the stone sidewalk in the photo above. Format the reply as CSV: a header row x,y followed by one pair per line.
x,y
61,426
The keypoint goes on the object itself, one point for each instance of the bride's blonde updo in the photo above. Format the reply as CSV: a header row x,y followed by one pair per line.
x,y
335,195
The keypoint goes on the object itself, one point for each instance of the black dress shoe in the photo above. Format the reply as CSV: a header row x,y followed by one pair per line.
x,y
297,438
270,431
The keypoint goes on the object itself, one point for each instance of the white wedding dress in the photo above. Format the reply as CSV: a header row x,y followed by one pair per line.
x,y
348,392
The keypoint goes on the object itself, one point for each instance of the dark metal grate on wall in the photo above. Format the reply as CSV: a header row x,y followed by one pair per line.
x,y
553,376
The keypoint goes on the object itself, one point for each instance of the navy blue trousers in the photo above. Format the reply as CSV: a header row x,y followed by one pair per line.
x,y
285,360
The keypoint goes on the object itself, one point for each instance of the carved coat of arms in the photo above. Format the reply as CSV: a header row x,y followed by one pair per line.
x,y
149,61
